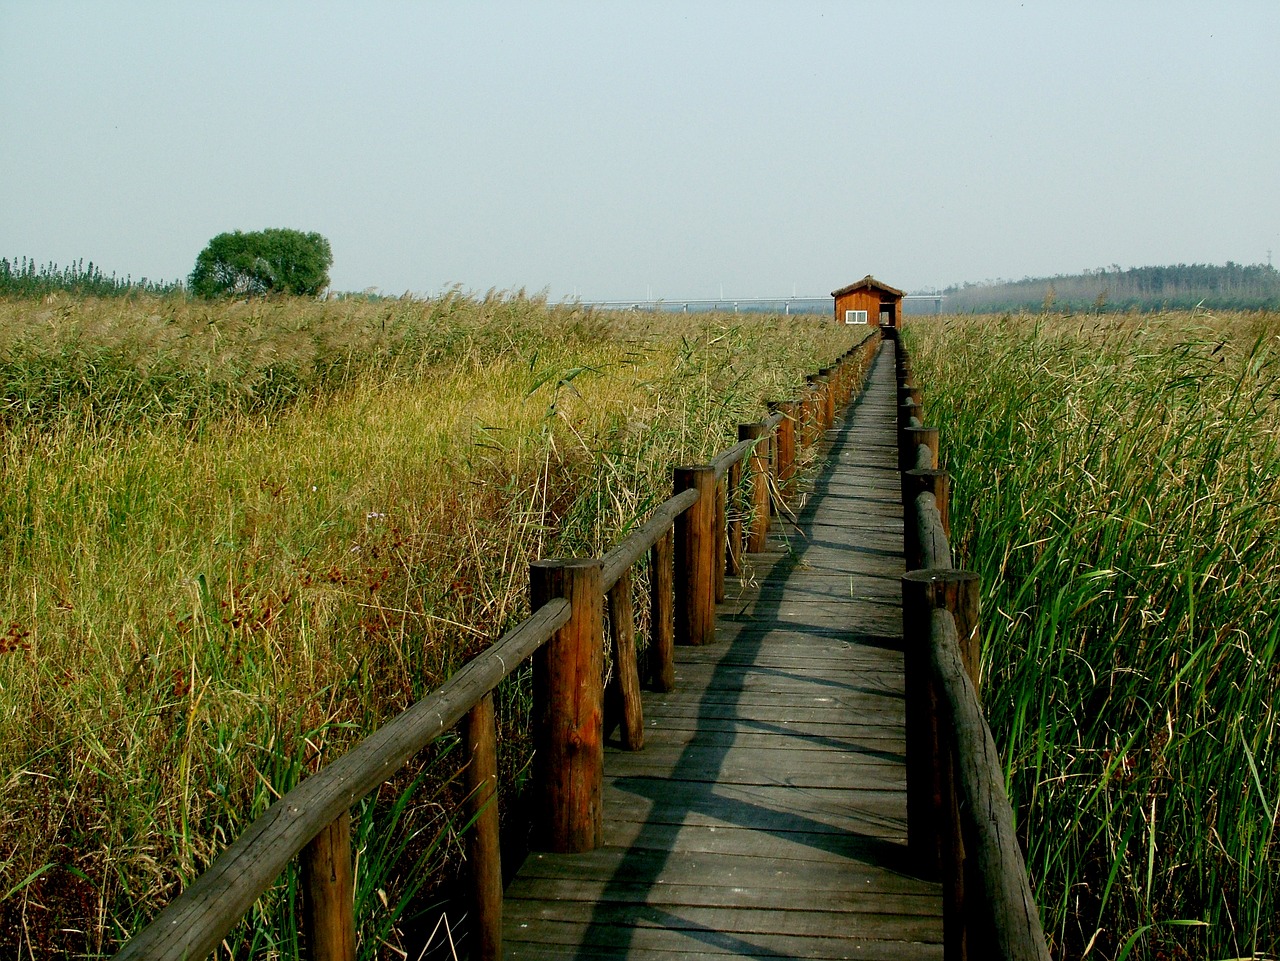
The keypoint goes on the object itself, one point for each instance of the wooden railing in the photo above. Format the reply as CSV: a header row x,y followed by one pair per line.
x,y
692,539
960,824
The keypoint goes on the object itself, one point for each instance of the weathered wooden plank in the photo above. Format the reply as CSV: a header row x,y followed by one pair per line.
x,y
731,770
889,853
763,704
872,813
709,760
734,870
764,712
792,921
812,673
550,939
609,921
762,896
794,738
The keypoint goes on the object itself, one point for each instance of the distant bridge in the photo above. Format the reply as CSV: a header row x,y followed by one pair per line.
x,y
776,305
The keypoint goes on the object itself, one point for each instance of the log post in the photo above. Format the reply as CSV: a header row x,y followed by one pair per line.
x,y
758,469
484,856
626,672
829,398
906,411
930,806
568,723
785,446
328,886
910,439
695,588
662,667
910,393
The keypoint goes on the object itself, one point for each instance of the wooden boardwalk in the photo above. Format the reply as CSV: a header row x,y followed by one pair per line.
x,y
766,815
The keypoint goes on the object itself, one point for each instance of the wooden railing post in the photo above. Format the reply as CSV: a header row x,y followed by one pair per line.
x,y
828,398
695,587
662,669
934,837
785,446
484,856
758,471
568,722
328,886
626,673
907,410
910,439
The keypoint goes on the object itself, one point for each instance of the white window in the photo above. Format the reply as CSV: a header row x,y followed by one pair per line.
x,y
855,316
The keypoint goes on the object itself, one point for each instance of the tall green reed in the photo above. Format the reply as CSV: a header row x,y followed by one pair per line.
x,y
1117,485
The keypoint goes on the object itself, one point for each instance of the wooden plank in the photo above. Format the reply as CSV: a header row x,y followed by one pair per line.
x,y
836,737
762,896
793,921
679,867
549,939
764,807
808,846
815,773
766,712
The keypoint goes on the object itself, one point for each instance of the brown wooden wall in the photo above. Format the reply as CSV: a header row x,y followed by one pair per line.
x,y
869,300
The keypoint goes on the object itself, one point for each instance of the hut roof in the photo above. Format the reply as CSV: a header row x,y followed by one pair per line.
x,y
868,282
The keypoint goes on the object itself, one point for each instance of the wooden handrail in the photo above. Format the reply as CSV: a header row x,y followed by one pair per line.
x,y
620,558
733,455
1008,926
195,922
738,452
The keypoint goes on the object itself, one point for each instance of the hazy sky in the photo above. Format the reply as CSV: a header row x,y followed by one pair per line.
x,y
615,150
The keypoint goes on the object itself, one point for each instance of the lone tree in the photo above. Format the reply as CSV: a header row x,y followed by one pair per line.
x,y
262,262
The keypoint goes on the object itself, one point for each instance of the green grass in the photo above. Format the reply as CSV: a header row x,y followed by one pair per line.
x,y
1116,483
235,537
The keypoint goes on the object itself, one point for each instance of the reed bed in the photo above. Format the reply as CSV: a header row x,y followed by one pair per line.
x,y
1116,482
235,537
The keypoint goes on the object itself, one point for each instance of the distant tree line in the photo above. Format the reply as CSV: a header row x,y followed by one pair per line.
x,y
236,264
1182,286
26,278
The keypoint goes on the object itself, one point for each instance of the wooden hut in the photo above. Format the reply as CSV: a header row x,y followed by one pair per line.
x,y
869,302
